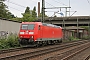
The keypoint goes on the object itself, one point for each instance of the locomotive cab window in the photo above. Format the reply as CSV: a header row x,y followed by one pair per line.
x,y
31,26
27,26
24,26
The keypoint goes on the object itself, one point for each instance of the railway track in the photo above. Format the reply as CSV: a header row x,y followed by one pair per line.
x,y
18,49
69,54
32,53
74,52
10,50
88,57
13,49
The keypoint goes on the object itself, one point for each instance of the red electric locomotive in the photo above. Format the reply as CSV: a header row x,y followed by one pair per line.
x,y
37,33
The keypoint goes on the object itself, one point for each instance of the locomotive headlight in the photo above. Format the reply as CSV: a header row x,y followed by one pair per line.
x,y
32,36
21,32
31,32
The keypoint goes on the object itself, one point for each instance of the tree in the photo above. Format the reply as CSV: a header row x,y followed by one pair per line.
x,y
27,10
2,9
4,13
34,14
29,15
26,15
55,15
41,15
10,15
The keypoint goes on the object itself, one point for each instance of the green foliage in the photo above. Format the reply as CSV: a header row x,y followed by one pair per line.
x,y
29,15
86,27
27,10
27,18
10,42
4,13
55,16
17,19
2,0
71,38
4,44
41,15
34,14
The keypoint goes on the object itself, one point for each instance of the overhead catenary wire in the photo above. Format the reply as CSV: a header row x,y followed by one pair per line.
x,y
50,4
56,7
36,2
31,0
15,9
16,4
60,3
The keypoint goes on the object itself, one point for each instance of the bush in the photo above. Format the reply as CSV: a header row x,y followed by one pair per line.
x,y
4,44
10,42
71,38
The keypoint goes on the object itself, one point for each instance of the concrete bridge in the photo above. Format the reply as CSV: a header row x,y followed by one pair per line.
x,y
69,21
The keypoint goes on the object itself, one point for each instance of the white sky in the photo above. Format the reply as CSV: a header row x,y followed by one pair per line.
x,y
81,6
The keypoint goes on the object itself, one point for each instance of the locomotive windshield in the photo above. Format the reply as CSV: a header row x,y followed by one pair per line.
x,y
27,27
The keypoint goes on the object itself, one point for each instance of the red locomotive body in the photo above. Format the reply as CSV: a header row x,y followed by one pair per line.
x,y
35,33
